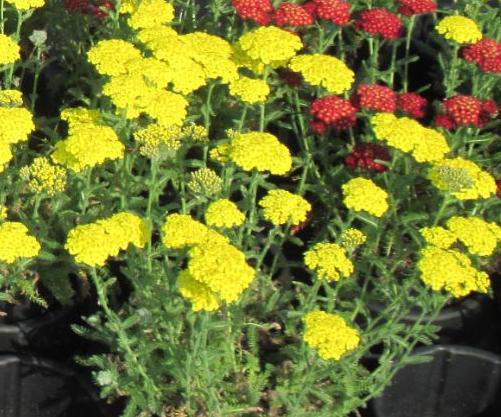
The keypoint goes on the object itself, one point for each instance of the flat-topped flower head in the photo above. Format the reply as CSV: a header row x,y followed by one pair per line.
x,y
380,22
281,207
352,238
16,243
17,123
336,11
110,56
486,53
414,7
290,14
250,90
198,293
150,14
44,177
333,111
361,194
157,141
11,98
438,236
258,11
9,50
375,97
224,213
459,29
204,181
329,260
181,230
480,237
24,5
329,334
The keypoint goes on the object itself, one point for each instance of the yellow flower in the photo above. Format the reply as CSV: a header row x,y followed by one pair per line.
x,y
11,98
438,236
9,50
462,178
157,141
198,293
224,213
324,71
450,270
459,29
17,124
205,181
261,151
24,5
270,45
110,56
329,260
167,108
155,72
281,207
480,237
3,212
352,238
329,334
80,116
361,194
150,13
221,153
196,133
250,90
181,230
44,177
15,243
5,155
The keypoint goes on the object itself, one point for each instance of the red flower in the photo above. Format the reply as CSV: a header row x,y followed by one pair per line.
x,y
375,97
380,21
318,127
76,5
334,111
337,11
98,8
486,53
290,14
444,121
412,104
364,156
469,111
257,10
488,110
412,7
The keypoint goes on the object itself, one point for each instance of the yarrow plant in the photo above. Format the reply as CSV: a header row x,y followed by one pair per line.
x,y
260,194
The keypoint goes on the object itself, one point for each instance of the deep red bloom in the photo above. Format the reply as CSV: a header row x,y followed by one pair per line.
x,y
98,8
310,7
334,111
76,5
486,53
464,110
337,11
318,127
258,11
444,121
412,7
364,156
380,21
375,97
290,14
488,110
412,104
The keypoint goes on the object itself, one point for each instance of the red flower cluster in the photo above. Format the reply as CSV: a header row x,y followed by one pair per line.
x,y
412,104
337,11
334,111
412,7
97,8
375,97
257,10
463,110
380,21
364,156
498,188
486,53
290,14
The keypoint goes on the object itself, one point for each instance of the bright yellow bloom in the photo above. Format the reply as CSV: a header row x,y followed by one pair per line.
x,y
44,177
450,270
270,45
261,151
110,56
5,155
80,116
352,238
281,207
3,212
459,29
324,71
205,181
480,237
221,153
224,213
167,108
462,178
150,13
250,90
196,133
438,236
329,334
361,194
198,293
89,146
16,124
15,243
181,230
329,260
9,50
11,98
155,72
156,141
24,5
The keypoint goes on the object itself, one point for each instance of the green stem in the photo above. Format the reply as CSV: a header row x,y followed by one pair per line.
x,y
10,72
262,106
407,52
452,78
445,203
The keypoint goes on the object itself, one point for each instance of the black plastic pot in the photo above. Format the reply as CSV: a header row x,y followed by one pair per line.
x,y
31,387
459,381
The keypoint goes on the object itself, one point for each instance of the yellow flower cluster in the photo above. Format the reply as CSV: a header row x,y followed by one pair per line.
x,y
480,237
329,260
199,294
281,207
3,212
196,133
459,29
24,5
329,334
462,178
352,238
44,177
361,194
9,50
256,150
450,270
205,181
224,213
16,243
86,146
266,45
92,244
407,135
150,13
11,98
438,236
111,56
181,230
250,90
324,71
80,116
157,141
